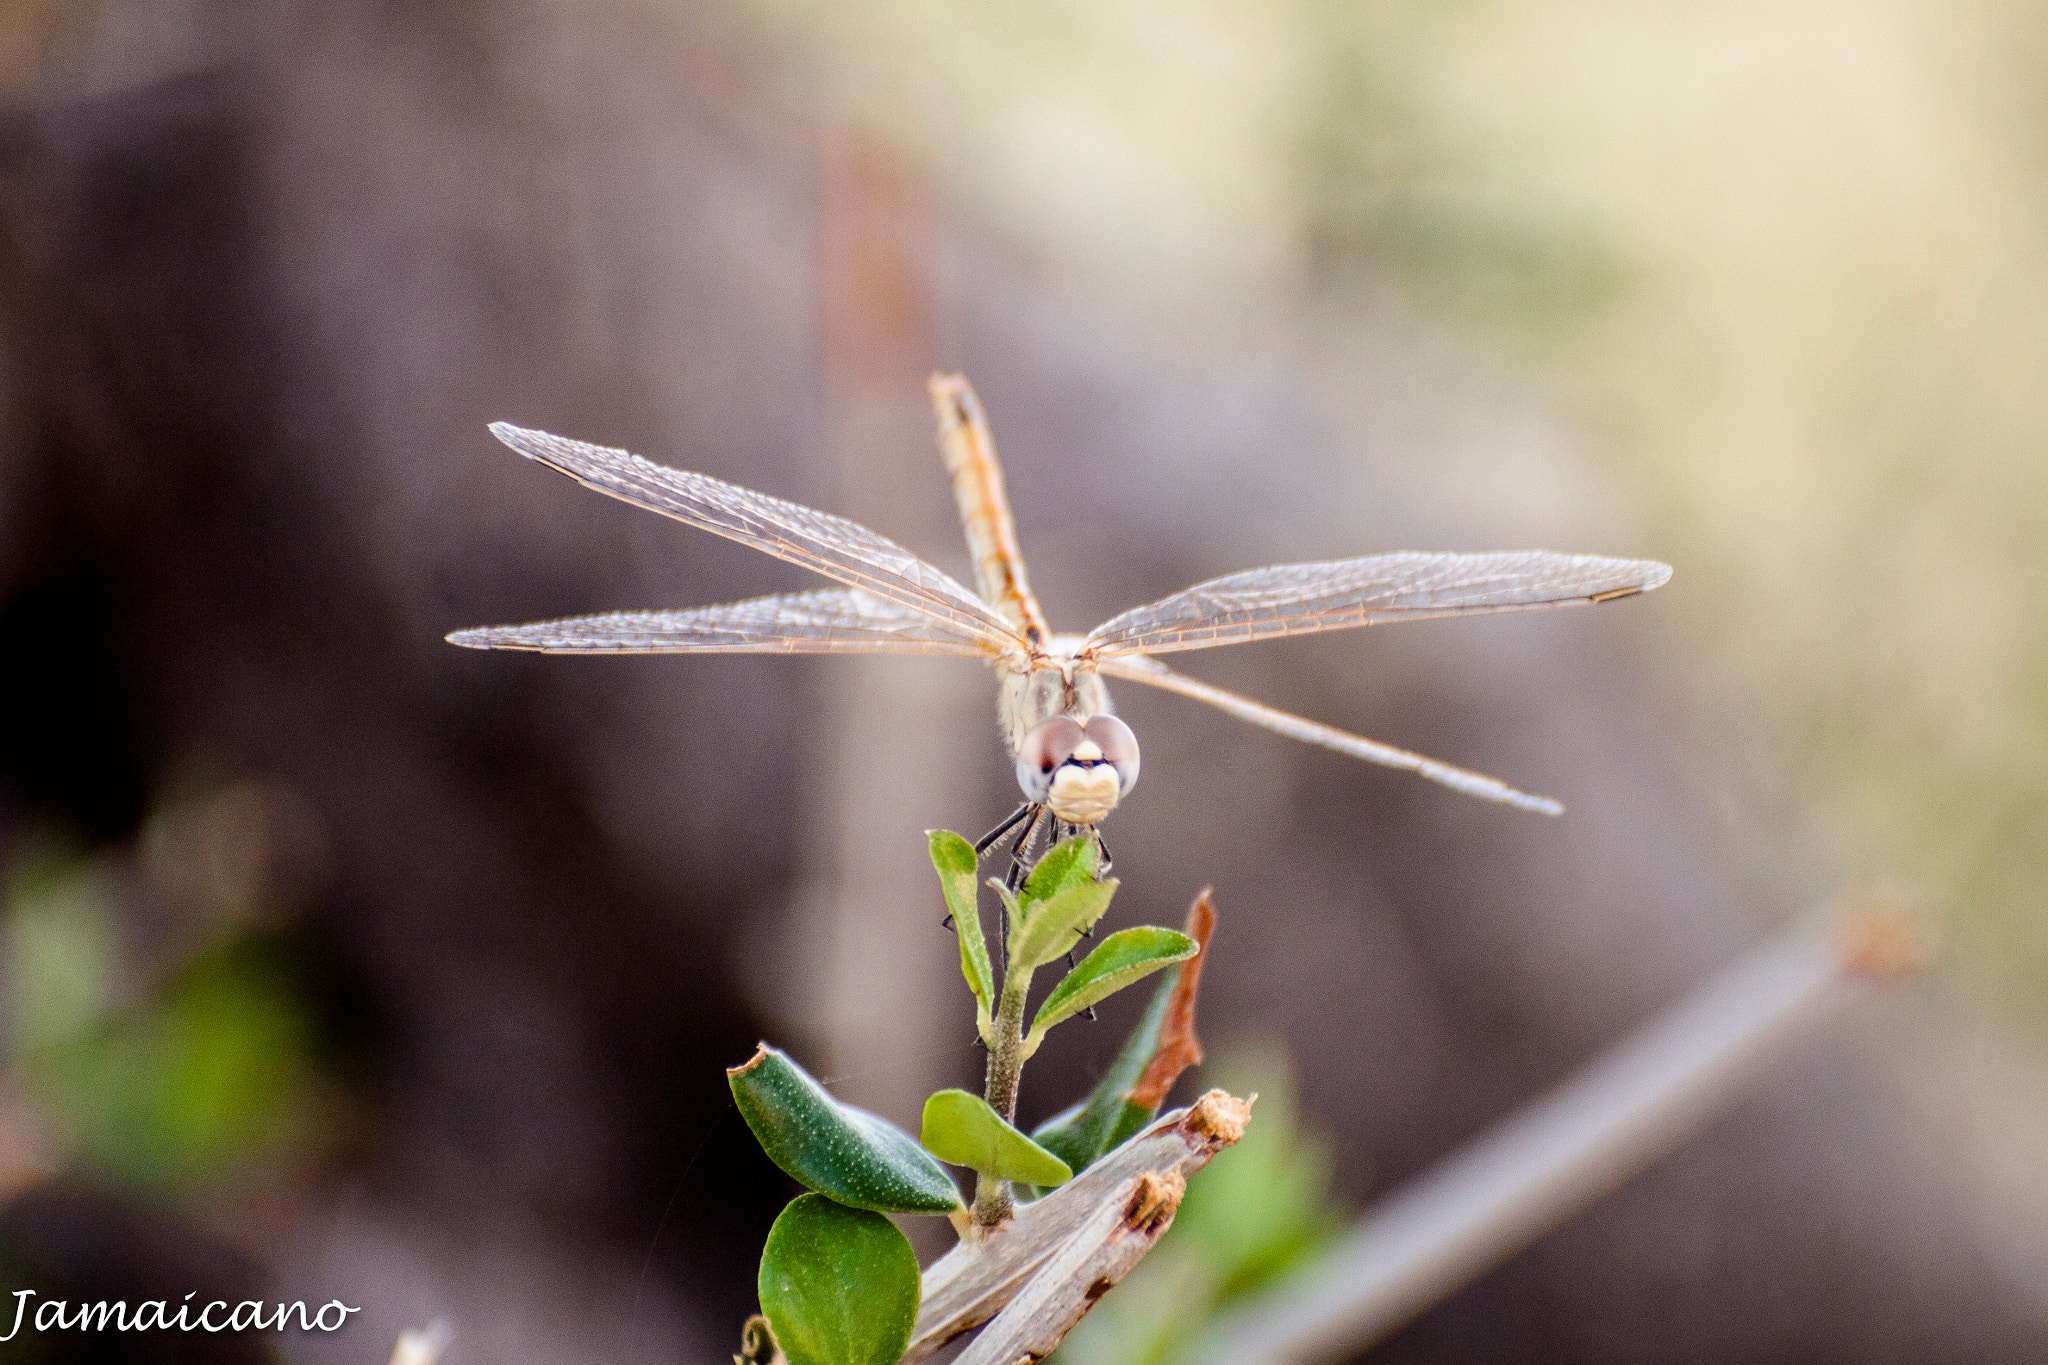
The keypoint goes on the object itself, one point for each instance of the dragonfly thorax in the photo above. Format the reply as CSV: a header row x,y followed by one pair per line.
x,y
1056,680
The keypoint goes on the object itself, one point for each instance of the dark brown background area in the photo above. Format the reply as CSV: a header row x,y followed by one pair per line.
x,y
262,287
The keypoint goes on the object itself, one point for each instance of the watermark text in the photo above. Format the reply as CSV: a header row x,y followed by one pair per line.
x,y
156,1315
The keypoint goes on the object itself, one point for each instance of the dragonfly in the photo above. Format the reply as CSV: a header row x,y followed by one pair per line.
x,y
1075,759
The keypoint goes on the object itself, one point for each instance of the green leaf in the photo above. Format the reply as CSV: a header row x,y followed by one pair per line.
x,y
1069,863
1012,911
1124,957
835,1149
963,1129
957,866
1053,926
839,1285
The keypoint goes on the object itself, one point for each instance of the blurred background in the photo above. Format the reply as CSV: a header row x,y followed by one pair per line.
x,y
338,962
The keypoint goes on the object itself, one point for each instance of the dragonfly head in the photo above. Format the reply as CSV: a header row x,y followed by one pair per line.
x,y
1078,769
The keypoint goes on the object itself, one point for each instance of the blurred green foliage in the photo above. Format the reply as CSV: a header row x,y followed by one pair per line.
x,y
59,938
163,1038
205,1077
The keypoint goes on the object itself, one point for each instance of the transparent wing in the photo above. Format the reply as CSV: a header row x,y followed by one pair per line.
x,y
830,545
1155,674
835,621
1297,599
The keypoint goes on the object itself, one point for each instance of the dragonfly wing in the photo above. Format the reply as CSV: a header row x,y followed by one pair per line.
x,y
833,546
835,621
1153,674
1298,599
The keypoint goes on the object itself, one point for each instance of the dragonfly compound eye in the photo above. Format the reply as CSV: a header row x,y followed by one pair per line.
x,y
1100,764
1119,749
1046,745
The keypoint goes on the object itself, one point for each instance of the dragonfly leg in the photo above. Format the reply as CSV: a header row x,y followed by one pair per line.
x,y
1020,851
1022,848
1029,815
988,840
1090,1009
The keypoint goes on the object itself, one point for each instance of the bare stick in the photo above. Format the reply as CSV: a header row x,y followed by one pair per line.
x,y
1085,1267
979,1278
1567,1148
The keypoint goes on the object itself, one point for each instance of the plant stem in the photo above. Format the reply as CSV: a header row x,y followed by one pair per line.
x,y
992,1202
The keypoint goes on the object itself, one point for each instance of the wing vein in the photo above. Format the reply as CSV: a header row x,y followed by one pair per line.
x,y
1300,599
832,621
833,546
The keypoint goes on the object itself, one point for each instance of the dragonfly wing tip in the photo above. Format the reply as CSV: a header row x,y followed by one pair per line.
x,y
525,440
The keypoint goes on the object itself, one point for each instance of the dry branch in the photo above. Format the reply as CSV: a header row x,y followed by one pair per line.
x,y
1059,1254
1086,1266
